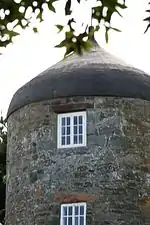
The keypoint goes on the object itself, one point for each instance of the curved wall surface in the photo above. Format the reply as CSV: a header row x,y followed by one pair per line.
x,y
111,174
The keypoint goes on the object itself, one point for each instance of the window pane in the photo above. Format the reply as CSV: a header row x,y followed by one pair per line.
x,y
81,210
63,121
75,139
68,130
76,220
68,120
69,220
75,129
81,220
65,221
63,130
80,119
80,129
76,210
64,211
63,140
68,140
71,129
80,139
75,120
70,211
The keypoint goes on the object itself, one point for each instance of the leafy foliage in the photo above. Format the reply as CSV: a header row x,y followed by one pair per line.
x,y
3,144
147,19
14,13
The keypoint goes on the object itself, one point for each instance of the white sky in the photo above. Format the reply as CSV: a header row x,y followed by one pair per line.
x,y
32,53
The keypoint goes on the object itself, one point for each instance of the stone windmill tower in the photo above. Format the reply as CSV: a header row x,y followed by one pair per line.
x,y
79,145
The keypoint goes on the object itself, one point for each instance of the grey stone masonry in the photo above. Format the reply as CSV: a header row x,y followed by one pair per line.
x,y
111,174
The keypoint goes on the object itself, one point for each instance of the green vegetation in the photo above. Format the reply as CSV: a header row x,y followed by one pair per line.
x,y
13,13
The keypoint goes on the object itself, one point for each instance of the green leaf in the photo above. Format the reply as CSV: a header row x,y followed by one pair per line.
x,y
51,7
68,7
62,44
116,29
106,34
12,33
1,120
39,16
70,24
147,28
97,28
122,6
69,49
147,19
69,35
60,27
97,13
35,29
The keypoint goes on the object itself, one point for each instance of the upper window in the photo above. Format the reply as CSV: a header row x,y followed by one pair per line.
x,y
71,130
73,214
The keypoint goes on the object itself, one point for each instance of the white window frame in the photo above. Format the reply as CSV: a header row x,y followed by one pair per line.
x,y
84,126
84,204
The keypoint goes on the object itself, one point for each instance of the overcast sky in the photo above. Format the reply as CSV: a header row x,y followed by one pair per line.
x,y
32,53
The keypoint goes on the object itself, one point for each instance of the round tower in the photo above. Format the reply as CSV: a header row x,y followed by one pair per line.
x,y
79,145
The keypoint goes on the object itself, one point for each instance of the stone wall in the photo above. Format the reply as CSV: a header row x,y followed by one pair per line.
x,y
112,174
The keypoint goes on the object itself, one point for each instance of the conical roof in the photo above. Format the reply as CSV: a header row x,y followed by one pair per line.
x,y
96,73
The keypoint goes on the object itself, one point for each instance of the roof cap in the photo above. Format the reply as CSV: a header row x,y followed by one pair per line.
x,y
95,73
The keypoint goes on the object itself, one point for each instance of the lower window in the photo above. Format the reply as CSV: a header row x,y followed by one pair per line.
x,y
73,214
